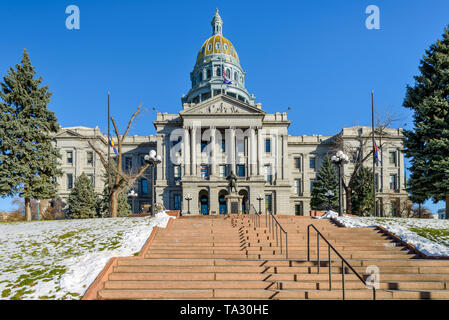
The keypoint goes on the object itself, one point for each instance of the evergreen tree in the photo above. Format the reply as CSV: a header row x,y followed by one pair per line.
x,y
428,143
28,159
82,200
327,179
362,192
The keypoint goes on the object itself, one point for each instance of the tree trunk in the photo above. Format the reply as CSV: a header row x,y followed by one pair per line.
x,y
27,209
114,203
447,206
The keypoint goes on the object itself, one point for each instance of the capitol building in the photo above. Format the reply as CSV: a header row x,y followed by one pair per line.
x,y
222,129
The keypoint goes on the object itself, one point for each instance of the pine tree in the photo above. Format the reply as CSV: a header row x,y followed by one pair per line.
x,y
28,159
327,179
428,143
362,192
82,200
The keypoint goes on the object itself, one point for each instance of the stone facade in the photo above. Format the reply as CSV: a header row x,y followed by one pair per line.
x,y
220,128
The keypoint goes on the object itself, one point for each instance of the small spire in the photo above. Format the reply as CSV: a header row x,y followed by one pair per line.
x,y
217,23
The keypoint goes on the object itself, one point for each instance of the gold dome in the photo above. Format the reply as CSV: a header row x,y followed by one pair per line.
x,y
215,45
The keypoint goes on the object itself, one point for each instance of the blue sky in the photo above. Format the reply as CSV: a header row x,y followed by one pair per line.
x,y
316,57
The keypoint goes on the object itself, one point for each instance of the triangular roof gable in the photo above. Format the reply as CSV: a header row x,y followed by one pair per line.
x,y
222,104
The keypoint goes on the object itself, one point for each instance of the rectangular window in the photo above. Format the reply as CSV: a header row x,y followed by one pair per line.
x,y
128,163
69,181
144,186
91,179
392,158
268,175
223,145
268,145
297,163
90,158
70,157
177,173
222,171
312,181
393,181
203,145
269,203
205,171
240,146
312,162
240,170
177,202
298,190
298,209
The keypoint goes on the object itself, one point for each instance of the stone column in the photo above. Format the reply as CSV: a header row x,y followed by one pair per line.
x,y
193,151
259,150
186,152
213,153
252,151
232,149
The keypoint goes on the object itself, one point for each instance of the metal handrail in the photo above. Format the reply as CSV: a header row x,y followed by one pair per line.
x,y
343,261
272,227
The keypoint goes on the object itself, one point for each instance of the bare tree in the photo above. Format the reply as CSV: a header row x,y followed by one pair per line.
x,y
359,153
122,180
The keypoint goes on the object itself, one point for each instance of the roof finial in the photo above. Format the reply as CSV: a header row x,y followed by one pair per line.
x,y
217,23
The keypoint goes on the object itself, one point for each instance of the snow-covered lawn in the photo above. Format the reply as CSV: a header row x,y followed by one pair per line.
x,y
430,236
60,259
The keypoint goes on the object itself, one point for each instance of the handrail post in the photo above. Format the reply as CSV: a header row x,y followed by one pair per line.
x,y
343,278
318,250
281,240
286,245
308,243
330,268
277,242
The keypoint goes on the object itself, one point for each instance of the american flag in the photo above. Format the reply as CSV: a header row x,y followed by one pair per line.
x,y
376,152
225,80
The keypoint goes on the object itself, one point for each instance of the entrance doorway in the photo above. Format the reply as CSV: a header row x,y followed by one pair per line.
x,y
204,202
245,204
222,203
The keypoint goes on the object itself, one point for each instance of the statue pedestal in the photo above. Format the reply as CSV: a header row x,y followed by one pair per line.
x,y
234,203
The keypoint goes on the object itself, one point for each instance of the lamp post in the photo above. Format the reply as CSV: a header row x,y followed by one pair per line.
x,y
329,194
188,197
38,201
260,198
153,159
133,195
339,159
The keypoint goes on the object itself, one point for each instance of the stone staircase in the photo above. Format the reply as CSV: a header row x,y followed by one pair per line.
x,y
216,257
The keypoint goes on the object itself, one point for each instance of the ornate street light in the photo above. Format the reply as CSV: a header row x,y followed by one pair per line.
x,y
329,194
339,159
133,195
188,197
153,159
260,198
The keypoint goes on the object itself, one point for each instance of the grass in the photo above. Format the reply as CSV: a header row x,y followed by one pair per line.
x,y
437,235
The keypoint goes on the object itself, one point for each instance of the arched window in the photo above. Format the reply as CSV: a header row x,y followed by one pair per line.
x,y
218,71
208,74
235,75
200,76
228,73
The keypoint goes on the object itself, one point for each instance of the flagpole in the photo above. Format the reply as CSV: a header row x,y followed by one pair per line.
x,y
109,160
374,152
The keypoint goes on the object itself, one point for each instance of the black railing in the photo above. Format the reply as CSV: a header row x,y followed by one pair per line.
x,y
255,219
275,228
343,261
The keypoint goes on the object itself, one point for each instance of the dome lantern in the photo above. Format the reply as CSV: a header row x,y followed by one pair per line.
x,y
217,24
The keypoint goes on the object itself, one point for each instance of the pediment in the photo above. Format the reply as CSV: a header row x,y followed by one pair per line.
x,y
67,133
222,105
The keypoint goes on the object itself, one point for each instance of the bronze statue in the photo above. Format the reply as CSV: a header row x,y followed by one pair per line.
x,y
232,179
